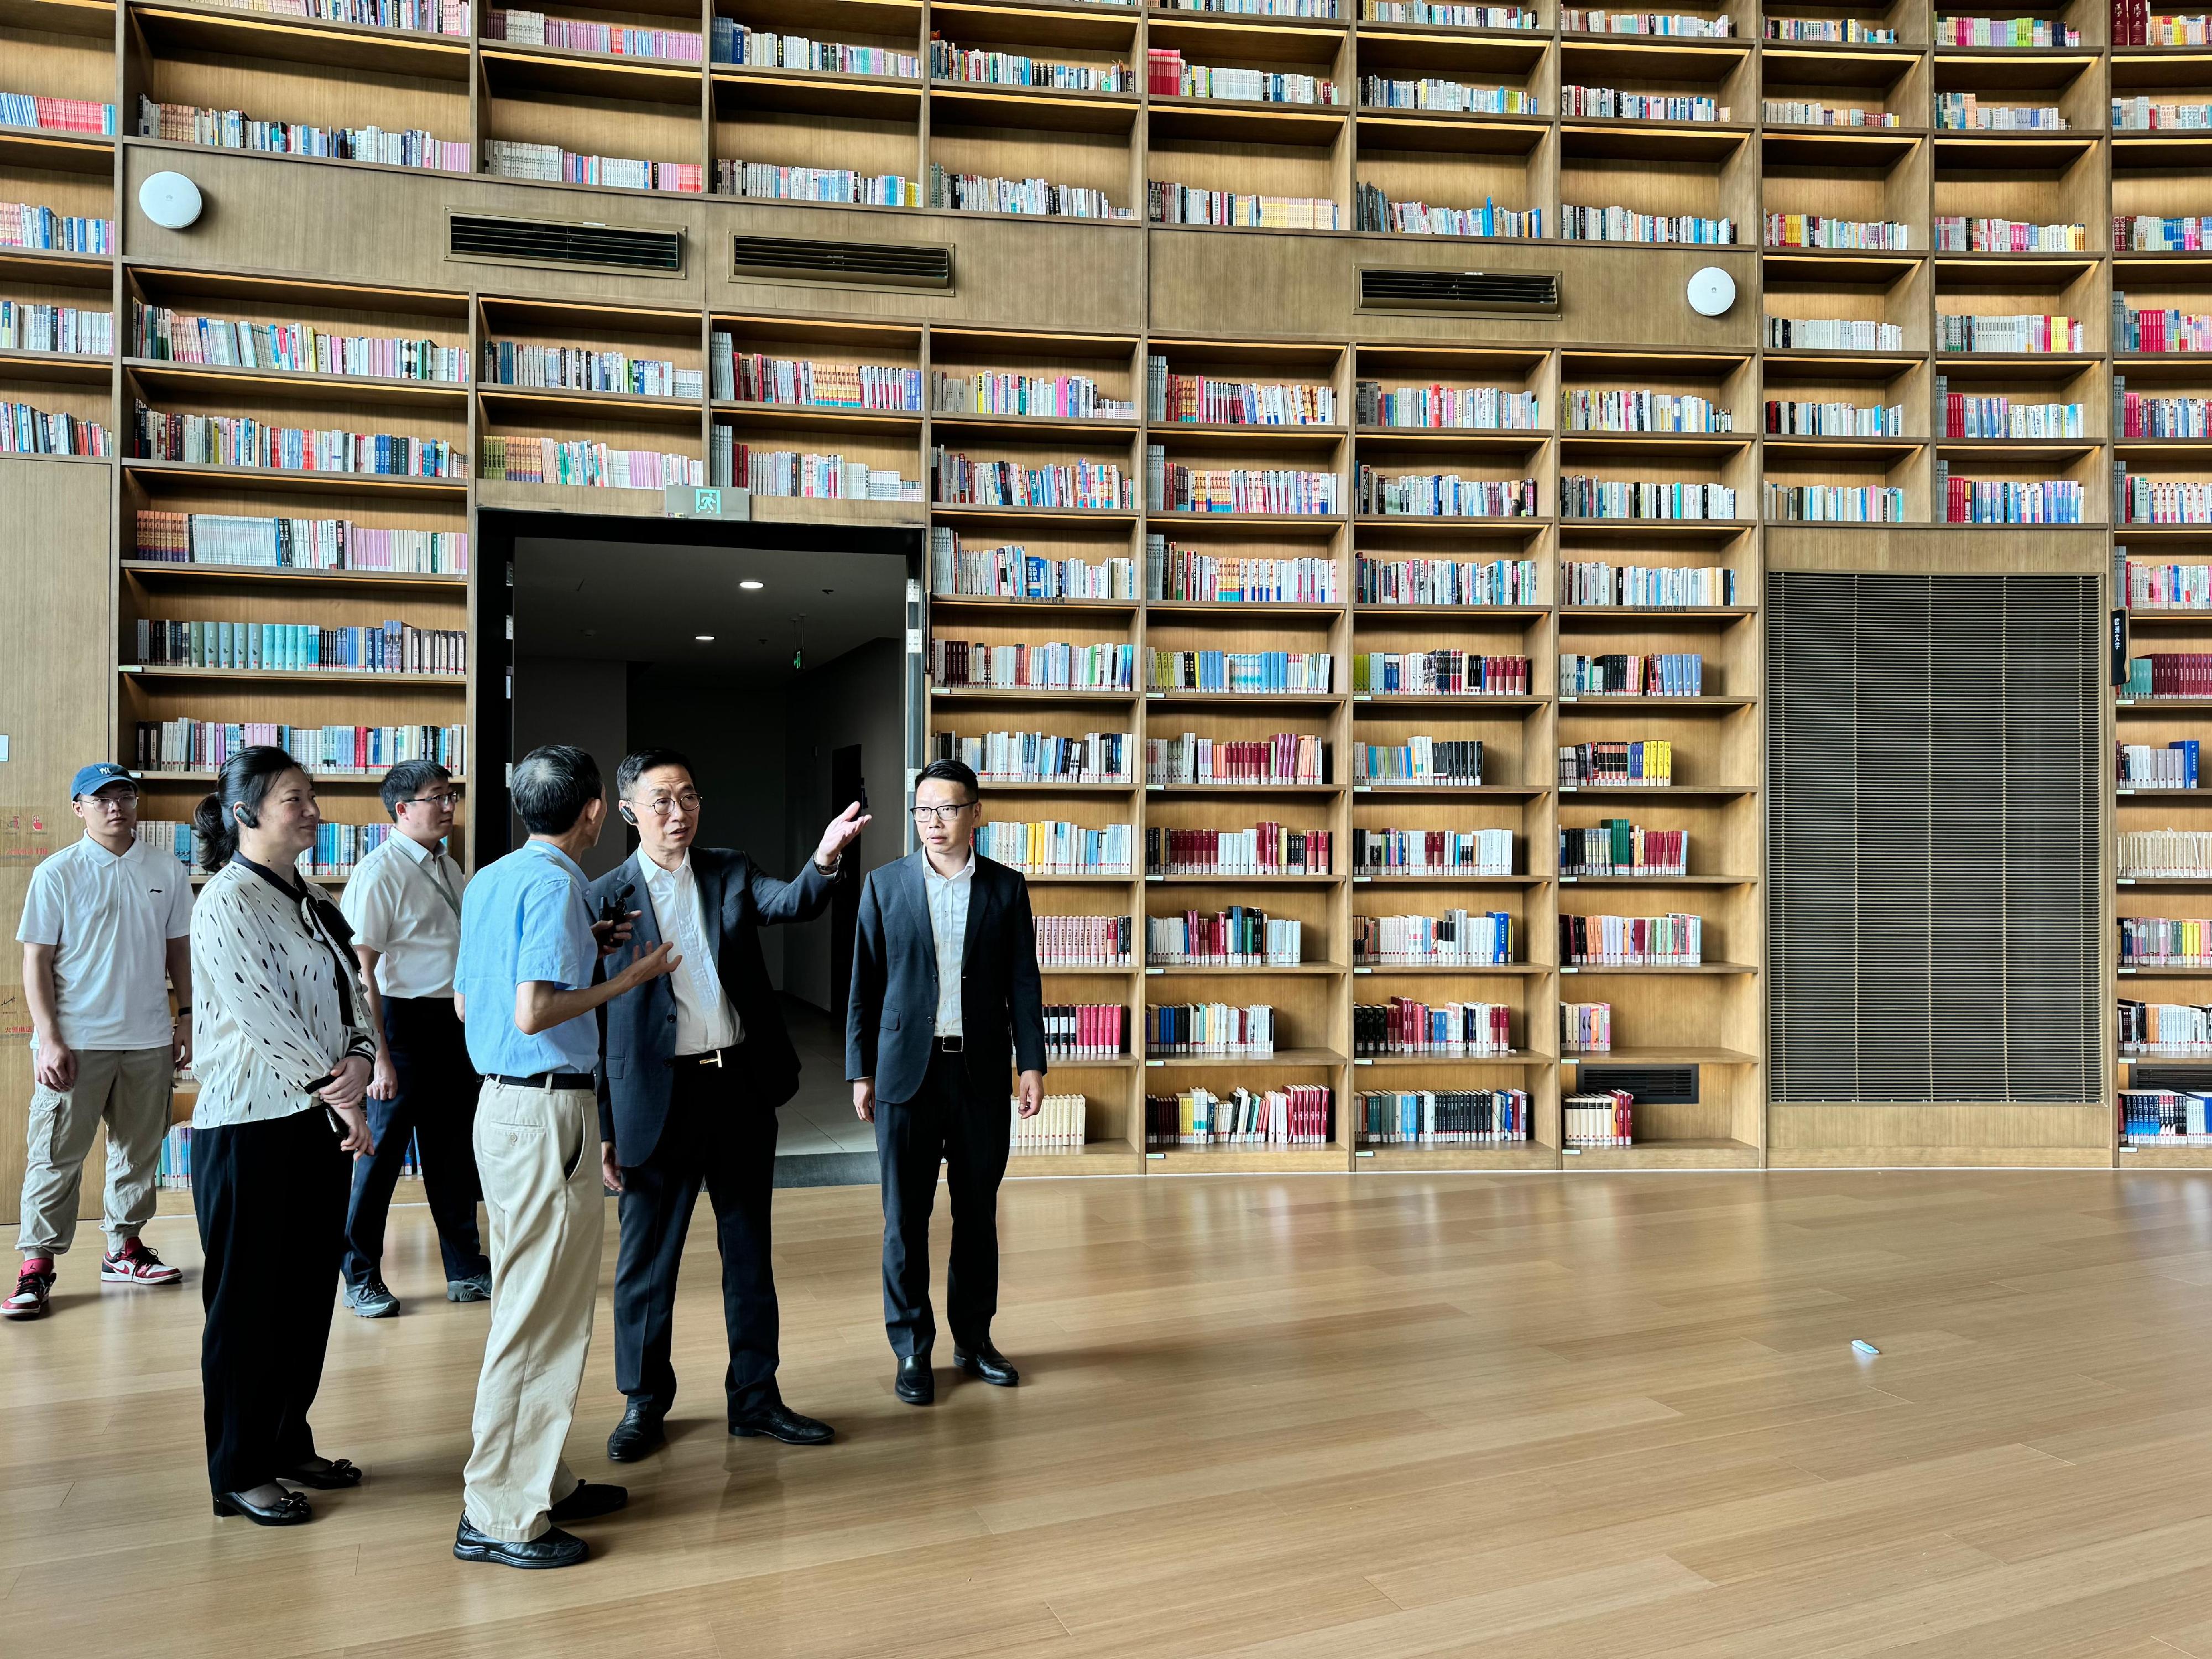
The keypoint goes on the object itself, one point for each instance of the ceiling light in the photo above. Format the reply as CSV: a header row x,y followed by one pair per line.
x,y
751,585
704,639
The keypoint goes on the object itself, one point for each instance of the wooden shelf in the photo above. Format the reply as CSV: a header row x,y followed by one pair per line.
x,y
1664,1057
1298,1057
294,676
165,570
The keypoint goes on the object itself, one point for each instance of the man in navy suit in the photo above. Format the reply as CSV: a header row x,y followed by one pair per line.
x,y
944,991
694,1065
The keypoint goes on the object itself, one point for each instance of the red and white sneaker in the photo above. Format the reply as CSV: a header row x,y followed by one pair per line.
x,y
134,1264
32,1287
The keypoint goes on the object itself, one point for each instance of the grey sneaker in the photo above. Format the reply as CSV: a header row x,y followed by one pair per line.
x,y
477,1287
372,1300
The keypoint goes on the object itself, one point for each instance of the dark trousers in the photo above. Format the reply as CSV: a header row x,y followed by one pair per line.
x,y
435,1103
719,1136
949,1119
271,1197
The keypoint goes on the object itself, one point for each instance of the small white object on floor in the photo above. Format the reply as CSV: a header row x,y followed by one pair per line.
x,y
1862,1346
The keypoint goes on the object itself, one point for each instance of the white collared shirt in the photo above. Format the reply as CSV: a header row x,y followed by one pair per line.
x,y
705,1021
949,897
110,919
403,901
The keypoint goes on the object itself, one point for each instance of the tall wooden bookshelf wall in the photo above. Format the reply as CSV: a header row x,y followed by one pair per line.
x,y
361,247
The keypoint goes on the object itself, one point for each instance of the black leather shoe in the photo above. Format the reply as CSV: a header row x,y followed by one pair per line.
x,y
988,1363
550,1549
915,1383
335,1475
780,1422
588,1503
291,1511
638,1433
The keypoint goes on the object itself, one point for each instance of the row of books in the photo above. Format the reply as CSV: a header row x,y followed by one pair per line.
x,y
755,377
1447,582
2155,854
2165,1117
1265,849
735,42
2169,674
190,745
2014,332
1238,937
1062,397
1585,1028
1833,334
1373,210
1049,847
1169,204
1286,758
1389,853
804,473
1619,674
1964,417
1171,487
1612,104
28,224
72,331
1957,234
2136,415
231,129
86,115
1585,582
394,647
2166,942
1673,940
949,62
582,462
957,570
1455,1117
1834,30
2158,331
2149,585
1242,671
2143,114
1584,497
1598,1117
1453,97
1614,846
2164,500
1833,503
1437,408
507,158
2147,766
961,480
1444,672
243,441
1455,938
167,334
1205,398
1643,410
1059,1127
766,181
1298,1115
1082,941
1040,756
2005,31
1052,666
2006,500
2164,1027
1085,1030
534,28
1812,113
1167,75
1817,230
2132,25
1808,419
1437,762
1444,495
26,430
424,17
1193,575
297,543
1404,1025
1964,112
578,368
1612,764
1208,1027
1686,26
969,192
1622,224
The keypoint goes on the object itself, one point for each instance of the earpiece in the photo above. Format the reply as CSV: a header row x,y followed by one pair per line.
x,y
628,817
249,819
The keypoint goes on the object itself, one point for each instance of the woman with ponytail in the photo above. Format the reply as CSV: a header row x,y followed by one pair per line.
x,y
283,1050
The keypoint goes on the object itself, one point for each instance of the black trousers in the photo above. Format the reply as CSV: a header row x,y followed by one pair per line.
x,y
719,1136
949,1119
435,1103
271,1197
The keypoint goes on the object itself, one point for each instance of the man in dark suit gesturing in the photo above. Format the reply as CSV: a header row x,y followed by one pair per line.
x,y
944,989
695,1065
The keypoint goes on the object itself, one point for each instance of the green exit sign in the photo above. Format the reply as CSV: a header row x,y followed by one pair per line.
x,y
690,501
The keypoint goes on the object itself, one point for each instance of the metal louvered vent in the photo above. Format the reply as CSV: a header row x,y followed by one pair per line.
x,y
868,264
1932,832
1499,293
564,245
1652,1085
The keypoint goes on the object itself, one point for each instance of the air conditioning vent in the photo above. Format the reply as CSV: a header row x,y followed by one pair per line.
x,y
1501,293
564,245
1652,1085
865,264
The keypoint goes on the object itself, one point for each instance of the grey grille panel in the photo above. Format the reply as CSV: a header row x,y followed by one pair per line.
x,y
1392,288
568,246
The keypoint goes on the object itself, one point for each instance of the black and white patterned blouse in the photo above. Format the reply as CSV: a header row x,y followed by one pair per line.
x,y
277,998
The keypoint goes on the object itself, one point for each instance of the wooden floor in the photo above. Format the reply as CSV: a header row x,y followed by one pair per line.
x,y
1507,1416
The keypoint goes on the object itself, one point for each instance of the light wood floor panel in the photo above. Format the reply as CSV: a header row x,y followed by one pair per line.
x,y
1371,1419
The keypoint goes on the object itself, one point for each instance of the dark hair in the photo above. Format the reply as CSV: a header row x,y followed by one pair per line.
x,y
551,786
401,783
241,787
635,764
951,771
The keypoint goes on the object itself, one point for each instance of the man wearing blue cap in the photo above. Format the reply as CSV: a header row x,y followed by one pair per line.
x,y
107,929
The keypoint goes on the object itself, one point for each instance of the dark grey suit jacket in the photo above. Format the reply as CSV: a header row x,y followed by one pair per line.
x,y
891,1018
737,899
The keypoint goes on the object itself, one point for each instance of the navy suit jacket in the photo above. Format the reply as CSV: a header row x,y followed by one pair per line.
x,y
891,1021
737,899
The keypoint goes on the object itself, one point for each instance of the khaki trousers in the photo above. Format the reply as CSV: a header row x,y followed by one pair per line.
x,y
131,1089
538,1153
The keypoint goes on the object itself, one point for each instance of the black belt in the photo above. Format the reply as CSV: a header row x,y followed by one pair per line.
x,y
710,1057
951,1045
547,1080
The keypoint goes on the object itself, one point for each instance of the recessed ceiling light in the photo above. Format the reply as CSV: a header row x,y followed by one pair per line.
x,y
751,585
704,639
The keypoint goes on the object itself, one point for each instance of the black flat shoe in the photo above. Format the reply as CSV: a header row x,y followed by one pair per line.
x,y
780,1422
988,1363
336,1475
588,1503
550,1549
638,1433
915,1383
292,1511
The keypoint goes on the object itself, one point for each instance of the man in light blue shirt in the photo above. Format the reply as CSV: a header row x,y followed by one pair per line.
x,y
529,954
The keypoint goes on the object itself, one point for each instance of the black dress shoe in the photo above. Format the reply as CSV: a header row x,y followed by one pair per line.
x,y
638,1433
291,1510
988,1363
780,1422
550,1549
916,1383
588,1503
336,1474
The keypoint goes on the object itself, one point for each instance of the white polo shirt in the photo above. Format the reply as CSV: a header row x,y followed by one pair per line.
x,y
110,921
403,901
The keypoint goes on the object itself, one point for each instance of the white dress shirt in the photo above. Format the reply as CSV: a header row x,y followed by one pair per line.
x,y
948,924
403,901
705,1021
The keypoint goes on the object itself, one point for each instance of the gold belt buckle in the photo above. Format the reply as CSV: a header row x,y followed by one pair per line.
x,y
713,1060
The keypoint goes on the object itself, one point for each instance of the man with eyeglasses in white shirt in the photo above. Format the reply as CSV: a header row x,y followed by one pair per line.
x,y
403,903
693,1067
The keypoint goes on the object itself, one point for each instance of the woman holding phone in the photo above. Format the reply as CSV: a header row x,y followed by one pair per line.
x,y
283,1051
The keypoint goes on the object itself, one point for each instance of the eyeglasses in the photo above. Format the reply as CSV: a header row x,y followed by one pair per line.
x,y
431,800
662,805
112,796
942,814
